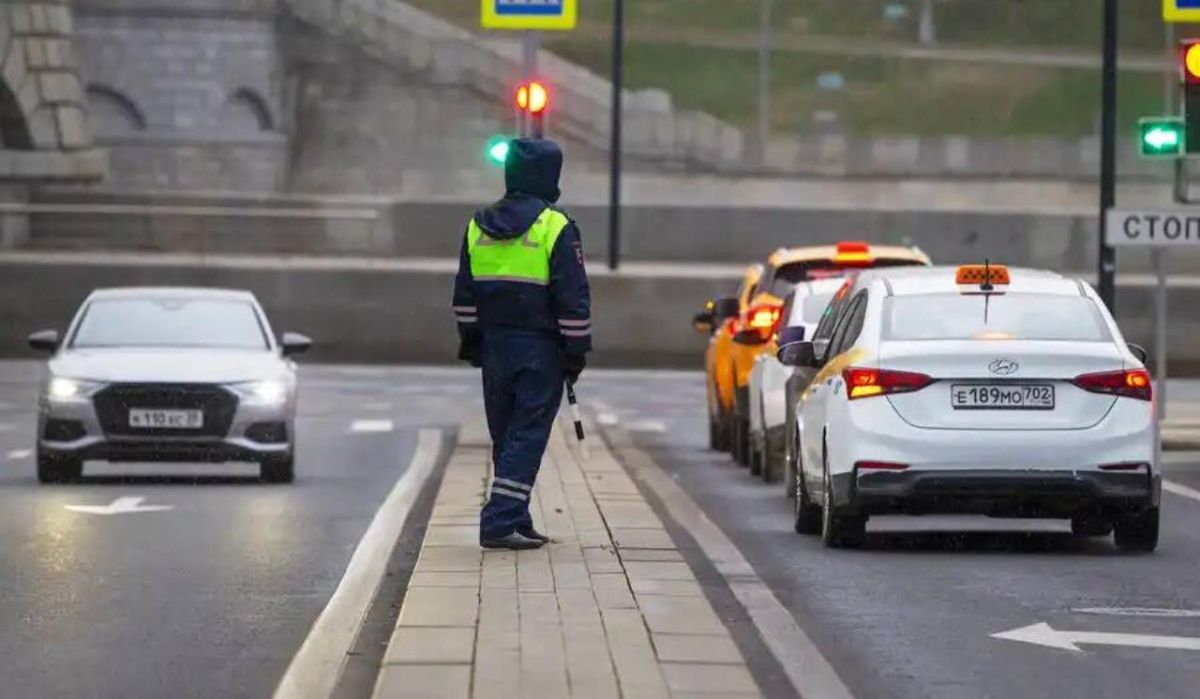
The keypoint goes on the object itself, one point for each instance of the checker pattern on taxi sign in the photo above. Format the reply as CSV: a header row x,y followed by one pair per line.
x,y
529,14
1181,10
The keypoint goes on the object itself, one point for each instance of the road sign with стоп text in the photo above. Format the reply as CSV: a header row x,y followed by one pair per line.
x,y
1169,227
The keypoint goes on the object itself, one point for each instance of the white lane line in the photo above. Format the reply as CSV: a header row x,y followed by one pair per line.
x,y
16,454
607,419
1140,611
647,426
810,673
1181,490
314,671
372,426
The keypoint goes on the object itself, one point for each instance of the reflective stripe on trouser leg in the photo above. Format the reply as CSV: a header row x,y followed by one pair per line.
x,y
523,384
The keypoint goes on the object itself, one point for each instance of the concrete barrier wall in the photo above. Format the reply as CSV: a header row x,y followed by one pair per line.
x,y
370,311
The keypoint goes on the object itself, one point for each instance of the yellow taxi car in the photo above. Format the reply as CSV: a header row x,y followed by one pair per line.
x,y
718,320
753,332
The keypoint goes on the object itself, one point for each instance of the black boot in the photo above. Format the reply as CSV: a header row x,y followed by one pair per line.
x,y
532,533
515,541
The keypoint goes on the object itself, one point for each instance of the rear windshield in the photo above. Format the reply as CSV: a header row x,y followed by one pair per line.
x,y
995,317
789,275
814,306
170,322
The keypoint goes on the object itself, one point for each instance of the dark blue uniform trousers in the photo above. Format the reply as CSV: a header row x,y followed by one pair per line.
x,y
522,389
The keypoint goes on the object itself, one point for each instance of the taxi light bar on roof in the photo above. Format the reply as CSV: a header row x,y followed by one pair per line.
x,y
853,253
985,275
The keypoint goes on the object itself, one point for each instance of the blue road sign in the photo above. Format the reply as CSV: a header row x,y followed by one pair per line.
x,y
1181,10
529,14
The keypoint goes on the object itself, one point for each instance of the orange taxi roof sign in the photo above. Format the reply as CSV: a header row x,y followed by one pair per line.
x,y
982,275
853,252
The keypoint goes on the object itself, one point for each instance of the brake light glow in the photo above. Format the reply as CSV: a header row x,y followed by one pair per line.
x,y
1131,383
879,466
853,253
864,383
763,317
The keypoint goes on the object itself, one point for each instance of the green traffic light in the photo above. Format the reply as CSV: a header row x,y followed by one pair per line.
x,y
497,150
1161,137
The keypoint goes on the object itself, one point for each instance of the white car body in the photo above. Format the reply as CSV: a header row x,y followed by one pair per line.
x,y
217,400
768,378
1090,458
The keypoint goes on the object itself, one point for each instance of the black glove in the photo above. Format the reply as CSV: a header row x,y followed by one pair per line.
x,y
469,352
573,365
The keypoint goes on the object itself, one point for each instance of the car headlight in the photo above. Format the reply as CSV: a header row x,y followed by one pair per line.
x,y
62,388
263,392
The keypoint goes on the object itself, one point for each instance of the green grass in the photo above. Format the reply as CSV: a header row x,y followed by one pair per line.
x,y
882,97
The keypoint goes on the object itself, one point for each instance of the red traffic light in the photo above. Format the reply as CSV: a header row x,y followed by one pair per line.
x,y
1189,61
533,97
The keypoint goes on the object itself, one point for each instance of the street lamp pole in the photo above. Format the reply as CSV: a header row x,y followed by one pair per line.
x,y
764,80
614,195
1108,154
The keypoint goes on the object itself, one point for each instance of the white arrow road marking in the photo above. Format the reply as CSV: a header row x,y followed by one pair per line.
x,y
1041,634
1140,611
119,506
19,453
372,426
1181,490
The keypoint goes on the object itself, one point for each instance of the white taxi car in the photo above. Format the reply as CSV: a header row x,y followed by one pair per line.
x,y
802,311
976,390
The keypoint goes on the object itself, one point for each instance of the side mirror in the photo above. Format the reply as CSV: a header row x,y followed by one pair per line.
x,y
294,344
44,341
796,354
790,334
726,307
1140,352
702,322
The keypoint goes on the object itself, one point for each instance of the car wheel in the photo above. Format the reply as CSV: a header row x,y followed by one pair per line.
x,y
808,514
278,469
1090,525
772,455
1138,531
756,455
839,530
718,435
741,440
58,469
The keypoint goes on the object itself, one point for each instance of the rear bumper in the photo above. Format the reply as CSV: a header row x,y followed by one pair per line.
x,y
1004,493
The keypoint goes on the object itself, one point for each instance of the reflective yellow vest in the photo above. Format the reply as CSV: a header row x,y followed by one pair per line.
x,y
525,260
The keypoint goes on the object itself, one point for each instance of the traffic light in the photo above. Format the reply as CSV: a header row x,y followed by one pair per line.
x,y
1189,68
497,150
1161,137
533,101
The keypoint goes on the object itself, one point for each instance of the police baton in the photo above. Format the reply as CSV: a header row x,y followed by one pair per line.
x,y
575,412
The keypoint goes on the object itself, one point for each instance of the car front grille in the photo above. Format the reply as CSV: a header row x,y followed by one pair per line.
x,y
113,404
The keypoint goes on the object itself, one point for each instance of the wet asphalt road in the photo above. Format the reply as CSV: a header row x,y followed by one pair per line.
x,y
911,615
214,596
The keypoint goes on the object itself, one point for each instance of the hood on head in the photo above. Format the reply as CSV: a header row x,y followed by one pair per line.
x,y
531,174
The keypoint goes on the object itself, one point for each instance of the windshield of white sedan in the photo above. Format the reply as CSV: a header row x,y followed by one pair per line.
x,y
170,322
993,317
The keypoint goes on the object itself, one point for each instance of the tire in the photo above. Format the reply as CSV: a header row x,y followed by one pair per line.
x,y
756,455
839,530
808,514
1137,531
718,434
741,440
1090,525
57,469
791,464
773,455
278,469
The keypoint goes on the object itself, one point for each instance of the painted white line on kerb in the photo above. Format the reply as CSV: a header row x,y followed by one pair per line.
x,y
372,426
810,673
314,672
19,454
1181,490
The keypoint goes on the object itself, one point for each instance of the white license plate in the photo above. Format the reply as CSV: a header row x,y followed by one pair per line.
x,y
148,419
1002,396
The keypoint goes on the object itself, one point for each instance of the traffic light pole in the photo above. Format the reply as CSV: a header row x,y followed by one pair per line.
x,y
1108,154
614,175
531,124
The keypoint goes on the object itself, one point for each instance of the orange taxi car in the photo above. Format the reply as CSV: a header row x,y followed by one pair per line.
x,y
753,332
718,320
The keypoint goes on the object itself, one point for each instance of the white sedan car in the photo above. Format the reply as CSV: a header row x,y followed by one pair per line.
x,y
977,390
802,310
167,374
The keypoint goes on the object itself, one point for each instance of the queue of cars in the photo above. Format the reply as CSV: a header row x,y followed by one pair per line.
x,y
932,390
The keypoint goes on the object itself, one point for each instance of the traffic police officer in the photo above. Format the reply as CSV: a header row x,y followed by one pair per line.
x,y
523,307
